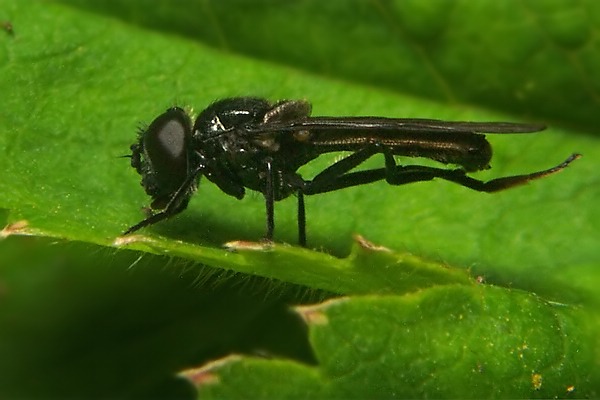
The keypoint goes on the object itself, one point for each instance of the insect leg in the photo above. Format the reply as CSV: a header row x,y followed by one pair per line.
x,y
176,204
398,175
337,176
270,200
344,165
401,175
301,219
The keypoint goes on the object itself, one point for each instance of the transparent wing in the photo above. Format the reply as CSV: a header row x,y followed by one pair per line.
x,y
461,143
363,125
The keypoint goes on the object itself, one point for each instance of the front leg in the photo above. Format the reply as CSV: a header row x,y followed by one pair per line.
x,y
177,203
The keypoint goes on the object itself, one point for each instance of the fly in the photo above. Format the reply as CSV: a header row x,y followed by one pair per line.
x,y
248,143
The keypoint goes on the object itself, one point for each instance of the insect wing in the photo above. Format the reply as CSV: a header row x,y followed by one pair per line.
x,y
461,143
362,125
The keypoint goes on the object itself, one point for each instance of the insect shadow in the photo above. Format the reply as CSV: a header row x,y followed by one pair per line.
x,y
248,143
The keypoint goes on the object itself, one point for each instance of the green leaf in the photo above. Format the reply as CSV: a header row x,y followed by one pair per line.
x,y
76,84
456,341
367,269
531,58
80,93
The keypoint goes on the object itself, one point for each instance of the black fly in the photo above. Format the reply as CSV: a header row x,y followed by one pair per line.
x,y
247,142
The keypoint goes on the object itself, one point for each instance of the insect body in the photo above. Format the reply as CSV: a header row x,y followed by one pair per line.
x,y
247,142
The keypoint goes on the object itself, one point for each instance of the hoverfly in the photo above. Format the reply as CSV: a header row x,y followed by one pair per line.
x,y
249,143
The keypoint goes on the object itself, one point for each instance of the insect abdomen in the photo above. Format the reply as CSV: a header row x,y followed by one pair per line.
x,y
472,151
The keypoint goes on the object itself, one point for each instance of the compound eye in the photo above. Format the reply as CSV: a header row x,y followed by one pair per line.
x,y
166,149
